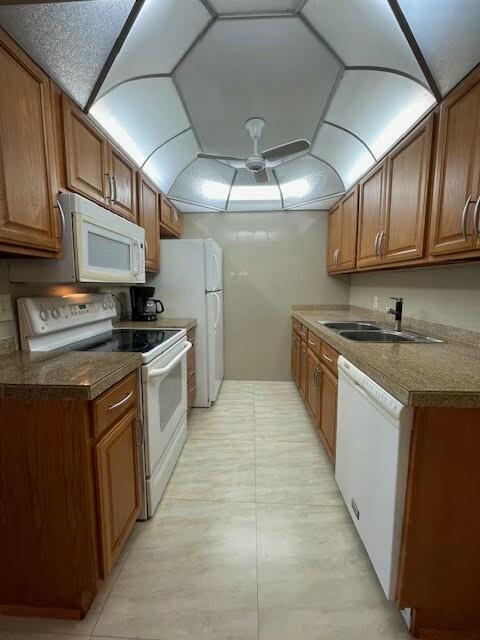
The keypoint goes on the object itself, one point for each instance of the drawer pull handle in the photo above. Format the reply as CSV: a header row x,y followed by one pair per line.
x,y
119,404
312,342
325,357
464,217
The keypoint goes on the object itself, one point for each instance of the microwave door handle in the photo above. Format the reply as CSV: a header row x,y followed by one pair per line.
x,y
157,373
136,258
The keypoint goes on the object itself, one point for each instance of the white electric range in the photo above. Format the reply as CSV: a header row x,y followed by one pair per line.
x,y
83,322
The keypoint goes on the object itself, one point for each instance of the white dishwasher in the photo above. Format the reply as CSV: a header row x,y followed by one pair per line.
x,y
373,441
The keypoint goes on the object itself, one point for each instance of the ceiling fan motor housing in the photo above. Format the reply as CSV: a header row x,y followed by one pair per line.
x,y
255,163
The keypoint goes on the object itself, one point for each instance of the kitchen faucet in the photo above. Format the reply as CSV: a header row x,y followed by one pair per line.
x,y
397,312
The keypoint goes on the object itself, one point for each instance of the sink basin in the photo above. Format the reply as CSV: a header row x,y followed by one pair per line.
x,y
351,326
375,336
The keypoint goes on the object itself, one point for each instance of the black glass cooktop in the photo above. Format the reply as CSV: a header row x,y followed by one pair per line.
x,y
129,340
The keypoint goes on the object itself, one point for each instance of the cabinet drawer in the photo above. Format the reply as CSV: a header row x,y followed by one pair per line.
x,y
314,343
296,326
303,332
329,357
191,391
114,403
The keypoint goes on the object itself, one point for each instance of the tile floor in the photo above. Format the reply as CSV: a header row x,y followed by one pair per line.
x,y
251,541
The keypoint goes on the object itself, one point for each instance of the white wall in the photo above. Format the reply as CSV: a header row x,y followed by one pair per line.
x,y
271,261
447,295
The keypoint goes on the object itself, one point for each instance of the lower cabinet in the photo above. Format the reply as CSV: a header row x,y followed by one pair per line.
x,y
314,371
73,466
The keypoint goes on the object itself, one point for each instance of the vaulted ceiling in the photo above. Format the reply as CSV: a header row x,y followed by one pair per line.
x,y
350,76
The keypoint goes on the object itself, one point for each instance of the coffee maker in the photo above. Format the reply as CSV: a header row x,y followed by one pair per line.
x,y
144,306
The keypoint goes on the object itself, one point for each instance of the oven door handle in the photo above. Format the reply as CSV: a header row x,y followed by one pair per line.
x,y
156,373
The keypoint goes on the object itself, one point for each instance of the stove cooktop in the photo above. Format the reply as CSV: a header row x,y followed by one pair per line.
x,y
127,340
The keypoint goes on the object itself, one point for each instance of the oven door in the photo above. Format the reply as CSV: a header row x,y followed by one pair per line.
x,y
164,383
108,252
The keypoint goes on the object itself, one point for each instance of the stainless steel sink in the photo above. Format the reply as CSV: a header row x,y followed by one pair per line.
x,y
376,336
351,326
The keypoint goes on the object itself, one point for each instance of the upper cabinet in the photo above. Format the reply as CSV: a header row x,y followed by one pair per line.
x,y
171,222
148,218
342,234
94,167
456,193
393,200
29,217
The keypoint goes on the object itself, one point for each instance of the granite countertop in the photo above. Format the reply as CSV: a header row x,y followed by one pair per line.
x,y
162,322
77,375
426,375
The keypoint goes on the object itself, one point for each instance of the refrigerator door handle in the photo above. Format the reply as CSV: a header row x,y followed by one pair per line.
x,y
217,270
217,316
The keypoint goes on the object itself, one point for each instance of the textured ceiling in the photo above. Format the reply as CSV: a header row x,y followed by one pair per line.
x,y
190,72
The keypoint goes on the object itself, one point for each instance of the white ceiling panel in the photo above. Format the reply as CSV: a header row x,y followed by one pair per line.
x,y
363,32
159,37
204,181
166,163
317,205
448,35
247,195
70,40
307,179
274,68
344,152
141,115
378,107
252,6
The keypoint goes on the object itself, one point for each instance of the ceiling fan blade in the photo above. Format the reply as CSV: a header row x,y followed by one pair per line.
x,y
261,177
236,163
284,150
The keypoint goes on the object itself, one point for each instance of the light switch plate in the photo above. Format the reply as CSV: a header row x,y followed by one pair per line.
x,y
6,312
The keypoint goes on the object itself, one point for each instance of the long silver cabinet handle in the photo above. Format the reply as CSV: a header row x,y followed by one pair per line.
x,y
119,404
464,217
476,215
114,183
109,179
62,219
338,256
376,243
380,242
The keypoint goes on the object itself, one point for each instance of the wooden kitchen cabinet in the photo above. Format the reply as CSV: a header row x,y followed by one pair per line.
x,y
303,369
118,486
342,234
86,155
456,190
123,196
29,217
406,196
295,358
313,388
171,222
328,403
148,218
73,465
370,216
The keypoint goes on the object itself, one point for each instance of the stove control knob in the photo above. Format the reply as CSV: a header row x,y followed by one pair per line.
x,y
56,313
43,315
105,305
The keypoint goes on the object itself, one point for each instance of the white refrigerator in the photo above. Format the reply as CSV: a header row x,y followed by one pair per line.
x,y
190,285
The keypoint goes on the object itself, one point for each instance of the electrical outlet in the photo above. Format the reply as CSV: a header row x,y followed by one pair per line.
x,y
375,302
6,312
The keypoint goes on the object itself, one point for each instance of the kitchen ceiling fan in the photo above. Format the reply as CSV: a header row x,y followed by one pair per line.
x,y
258,162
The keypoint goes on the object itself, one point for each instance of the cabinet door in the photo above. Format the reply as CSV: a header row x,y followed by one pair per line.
x,y
123,188
456,183
334,238
171,219
407,184
303,368
370,216
312,396
27,159
348,247
85,155
295,358
148,219
118,487
328,421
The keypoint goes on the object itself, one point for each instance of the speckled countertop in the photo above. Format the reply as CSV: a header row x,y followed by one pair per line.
x,y
162,322
78,375
427,375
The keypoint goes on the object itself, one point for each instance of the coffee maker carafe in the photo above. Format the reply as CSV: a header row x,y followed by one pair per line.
x,y
144,306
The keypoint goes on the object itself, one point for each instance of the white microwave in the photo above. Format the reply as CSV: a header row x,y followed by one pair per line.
x,y
97,246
